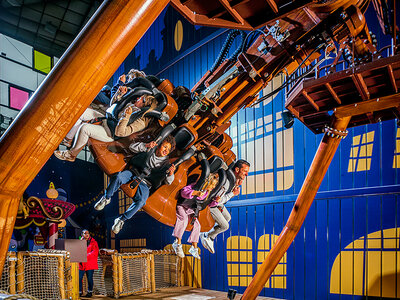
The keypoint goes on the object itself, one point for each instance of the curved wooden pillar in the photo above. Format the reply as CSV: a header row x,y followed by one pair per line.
x,y
86,66
315,175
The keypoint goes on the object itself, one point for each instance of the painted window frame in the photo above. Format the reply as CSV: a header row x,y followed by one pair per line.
x,y
10,85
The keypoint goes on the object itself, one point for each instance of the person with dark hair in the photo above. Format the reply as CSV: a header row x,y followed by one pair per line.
x,y
90,265
218,210
103,132
157,164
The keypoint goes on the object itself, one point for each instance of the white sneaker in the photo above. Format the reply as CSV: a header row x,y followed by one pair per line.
x,y
207,242
195,252
210,245
203,240
118,224
178,249
102,203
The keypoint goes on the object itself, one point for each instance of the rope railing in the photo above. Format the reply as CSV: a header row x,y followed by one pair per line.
x,y
143,271
46,274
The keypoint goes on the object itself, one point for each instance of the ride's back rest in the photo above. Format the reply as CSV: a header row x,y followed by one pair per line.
x,y
215,162
167,105
140,86
185,136
232,179
223,142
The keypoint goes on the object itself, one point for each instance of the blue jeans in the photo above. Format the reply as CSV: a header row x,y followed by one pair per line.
x,y
89,275
140,197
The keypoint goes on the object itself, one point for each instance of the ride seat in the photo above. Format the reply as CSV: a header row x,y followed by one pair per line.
x,y
113,156
185,136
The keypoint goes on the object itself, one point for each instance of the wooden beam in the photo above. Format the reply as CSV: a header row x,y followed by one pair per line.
x,y
312,15
295,112
239,3
311,184
368,106
218,15
309,99
333,93
232,12
206,21
391,78
361,86
273,5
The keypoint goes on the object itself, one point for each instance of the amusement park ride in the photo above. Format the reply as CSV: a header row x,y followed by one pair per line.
x,y
285,36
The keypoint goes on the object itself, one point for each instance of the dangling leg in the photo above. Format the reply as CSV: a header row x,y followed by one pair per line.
x,y
87,115
221,224
179,229
139,200
116,181
86,131
194,239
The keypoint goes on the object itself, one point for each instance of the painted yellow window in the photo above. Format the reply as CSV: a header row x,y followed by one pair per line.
x,y
396,159
361,152
239,260
42,62
278,277
369,266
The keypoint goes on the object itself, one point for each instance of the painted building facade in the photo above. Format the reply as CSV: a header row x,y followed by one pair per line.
x,y
348,247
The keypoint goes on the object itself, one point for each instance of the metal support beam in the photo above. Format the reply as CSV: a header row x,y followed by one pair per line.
x,y
70,87
316,173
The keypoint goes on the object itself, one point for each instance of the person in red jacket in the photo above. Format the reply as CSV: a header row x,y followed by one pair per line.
x,y
90,265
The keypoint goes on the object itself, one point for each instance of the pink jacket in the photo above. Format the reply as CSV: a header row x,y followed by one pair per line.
x,y
187,192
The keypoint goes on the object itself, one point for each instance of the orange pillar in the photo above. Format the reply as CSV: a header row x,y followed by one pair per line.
x,y
315,175
85,67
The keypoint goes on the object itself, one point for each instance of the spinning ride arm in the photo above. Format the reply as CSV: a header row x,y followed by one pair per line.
x,y
281,47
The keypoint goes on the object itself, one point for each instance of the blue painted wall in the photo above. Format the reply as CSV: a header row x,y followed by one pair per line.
x,y
357,205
